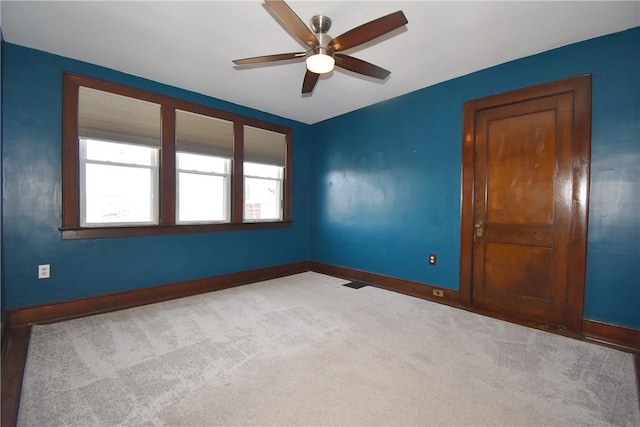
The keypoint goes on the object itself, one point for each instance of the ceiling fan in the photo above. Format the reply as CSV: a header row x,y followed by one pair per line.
x,y
323,52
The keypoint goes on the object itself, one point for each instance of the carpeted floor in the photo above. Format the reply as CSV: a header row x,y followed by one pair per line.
x,y
305,350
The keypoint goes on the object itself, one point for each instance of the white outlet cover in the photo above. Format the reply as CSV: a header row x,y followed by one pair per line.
x,y
44,271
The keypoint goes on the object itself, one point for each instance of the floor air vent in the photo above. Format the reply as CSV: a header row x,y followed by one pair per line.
x,y
356,285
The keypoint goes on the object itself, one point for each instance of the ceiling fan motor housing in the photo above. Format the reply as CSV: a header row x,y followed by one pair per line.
x,y
320,24
322,48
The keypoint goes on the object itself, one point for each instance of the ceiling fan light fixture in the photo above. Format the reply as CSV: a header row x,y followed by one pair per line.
x,y
320,63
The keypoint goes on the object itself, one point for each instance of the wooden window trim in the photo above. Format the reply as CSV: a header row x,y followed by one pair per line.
x,y
71,228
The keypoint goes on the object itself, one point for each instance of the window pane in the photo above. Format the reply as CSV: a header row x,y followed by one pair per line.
x,y
262,199
264,171
120,153
202,198
119,194
200,163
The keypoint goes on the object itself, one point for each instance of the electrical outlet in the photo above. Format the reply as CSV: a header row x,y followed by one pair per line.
x,y
432,259
44,271
438,293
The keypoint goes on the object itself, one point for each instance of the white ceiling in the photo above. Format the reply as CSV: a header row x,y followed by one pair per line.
x,y
191,44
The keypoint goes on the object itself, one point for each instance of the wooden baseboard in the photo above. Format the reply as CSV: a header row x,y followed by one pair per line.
x,y
54,312
14,359
619,336
4,333
407,287
612,334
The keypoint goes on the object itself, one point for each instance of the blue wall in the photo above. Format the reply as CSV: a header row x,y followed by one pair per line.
x,y
387,177
32,95
382,191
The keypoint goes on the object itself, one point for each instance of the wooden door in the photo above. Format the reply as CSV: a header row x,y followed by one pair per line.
x,y
525,173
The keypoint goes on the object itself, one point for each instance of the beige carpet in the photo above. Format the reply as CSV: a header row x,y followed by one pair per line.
x,y
304,350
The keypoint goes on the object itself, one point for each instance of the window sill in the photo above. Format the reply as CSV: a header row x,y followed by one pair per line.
x,y
76,233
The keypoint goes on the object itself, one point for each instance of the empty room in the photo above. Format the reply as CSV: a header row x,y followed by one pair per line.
x,y
273,212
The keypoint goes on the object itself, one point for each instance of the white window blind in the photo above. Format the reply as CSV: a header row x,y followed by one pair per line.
x,y
196,133
117,118
264,146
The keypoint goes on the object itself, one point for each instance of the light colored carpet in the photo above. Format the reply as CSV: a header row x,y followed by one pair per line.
x,y
304,350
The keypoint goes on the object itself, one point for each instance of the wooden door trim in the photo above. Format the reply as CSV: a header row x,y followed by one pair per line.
x,y
580,87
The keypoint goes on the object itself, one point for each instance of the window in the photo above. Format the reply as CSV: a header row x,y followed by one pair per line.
x,y
262,192
264,154
203,188
119,142
119,183
204,151
138,163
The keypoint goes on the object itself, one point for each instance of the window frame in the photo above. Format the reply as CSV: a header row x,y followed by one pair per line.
x,y
167,222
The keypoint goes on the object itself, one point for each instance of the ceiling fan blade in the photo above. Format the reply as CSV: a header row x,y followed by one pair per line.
x,y
359,66
269,58
310,80
369,31
291,22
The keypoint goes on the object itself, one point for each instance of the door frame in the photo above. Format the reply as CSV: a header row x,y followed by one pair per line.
x,y
580,87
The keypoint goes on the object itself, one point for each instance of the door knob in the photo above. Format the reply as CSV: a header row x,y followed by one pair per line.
x,y
479,228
